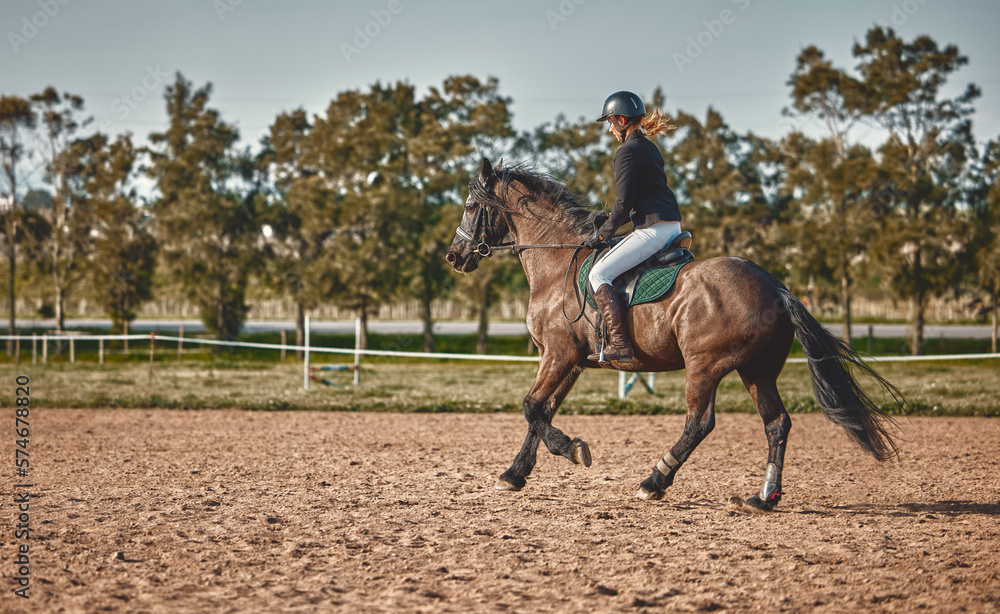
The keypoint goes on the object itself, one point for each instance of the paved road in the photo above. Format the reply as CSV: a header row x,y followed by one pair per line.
x,y
396,327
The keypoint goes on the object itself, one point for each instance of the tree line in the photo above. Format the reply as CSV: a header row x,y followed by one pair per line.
x,y
356,205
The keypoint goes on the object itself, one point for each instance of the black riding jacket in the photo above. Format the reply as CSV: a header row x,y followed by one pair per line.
x,y
641,185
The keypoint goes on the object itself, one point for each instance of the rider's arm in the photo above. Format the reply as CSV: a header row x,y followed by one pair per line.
x,y
626,172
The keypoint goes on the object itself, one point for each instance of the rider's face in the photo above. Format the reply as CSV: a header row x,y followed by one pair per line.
x,y
611,128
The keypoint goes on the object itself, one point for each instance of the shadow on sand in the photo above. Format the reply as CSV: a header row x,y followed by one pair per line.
x,y
945,508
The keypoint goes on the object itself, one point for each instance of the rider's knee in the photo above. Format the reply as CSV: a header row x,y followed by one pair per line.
x,y
596,279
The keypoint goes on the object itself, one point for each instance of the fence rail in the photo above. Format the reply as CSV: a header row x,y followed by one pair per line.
x,y
431,355
357,352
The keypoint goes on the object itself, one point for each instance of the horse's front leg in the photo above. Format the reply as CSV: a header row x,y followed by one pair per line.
x,y
552,384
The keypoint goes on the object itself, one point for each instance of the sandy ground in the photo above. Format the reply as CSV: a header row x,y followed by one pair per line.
x,y
229,511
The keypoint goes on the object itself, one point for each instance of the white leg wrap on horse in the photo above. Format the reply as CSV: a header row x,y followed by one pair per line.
x,y
770,485
667,464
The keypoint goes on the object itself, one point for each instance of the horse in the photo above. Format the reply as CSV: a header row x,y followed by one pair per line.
x,y
723,314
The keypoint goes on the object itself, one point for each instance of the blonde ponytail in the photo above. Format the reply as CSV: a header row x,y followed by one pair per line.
x,y
656,122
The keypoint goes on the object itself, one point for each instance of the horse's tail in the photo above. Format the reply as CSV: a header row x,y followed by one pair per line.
x,y
840,397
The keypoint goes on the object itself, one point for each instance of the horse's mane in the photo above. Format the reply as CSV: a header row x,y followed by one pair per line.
x,y
540,186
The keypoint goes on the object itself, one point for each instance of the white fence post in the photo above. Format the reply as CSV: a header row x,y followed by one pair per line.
x,y
357,351
625,385
305,372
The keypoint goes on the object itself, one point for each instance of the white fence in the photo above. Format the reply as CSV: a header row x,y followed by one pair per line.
x,y
307,349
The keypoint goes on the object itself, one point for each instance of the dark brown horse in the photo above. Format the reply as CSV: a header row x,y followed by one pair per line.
x,y
723,314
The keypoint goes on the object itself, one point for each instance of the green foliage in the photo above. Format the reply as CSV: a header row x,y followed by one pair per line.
x,y
357,205
124,251
439,157
206,226
982,257
725,180
923,159
64,250
17,118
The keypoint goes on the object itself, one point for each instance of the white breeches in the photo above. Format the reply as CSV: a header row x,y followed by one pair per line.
x,y
632,250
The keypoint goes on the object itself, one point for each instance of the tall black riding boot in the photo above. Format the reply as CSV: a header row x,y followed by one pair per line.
x,y
617,346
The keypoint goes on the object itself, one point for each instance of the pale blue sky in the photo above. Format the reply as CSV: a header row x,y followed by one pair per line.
x,y
551,56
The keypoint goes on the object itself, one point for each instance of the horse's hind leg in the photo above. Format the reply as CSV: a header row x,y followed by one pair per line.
x,y
550,388
764,392
700,391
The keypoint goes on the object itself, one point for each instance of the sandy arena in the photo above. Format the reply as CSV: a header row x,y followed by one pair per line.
x,y
233,511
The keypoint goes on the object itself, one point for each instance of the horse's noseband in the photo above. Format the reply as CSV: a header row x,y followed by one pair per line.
x,y
482,245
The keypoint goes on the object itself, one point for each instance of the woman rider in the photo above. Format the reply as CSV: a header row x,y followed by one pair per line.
x,y
643,198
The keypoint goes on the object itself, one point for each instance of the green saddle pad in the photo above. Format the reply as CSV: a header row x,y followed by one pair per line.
x,y
651,285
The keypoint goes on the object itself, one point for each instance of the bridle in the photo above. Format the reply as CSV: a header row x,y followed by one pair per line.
x,y
483,220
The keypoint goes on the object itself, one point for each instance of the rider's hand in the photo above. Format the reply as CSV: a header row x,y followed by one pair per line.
x,y
594,242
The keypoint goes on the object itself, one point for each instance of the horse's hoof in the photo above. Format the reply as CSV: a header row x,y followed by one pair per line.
x,y
503,484
581,453
765,506
649,495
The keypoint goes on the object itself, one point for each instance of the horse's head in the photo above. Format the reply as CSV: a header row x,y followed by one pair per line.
x,y
484,222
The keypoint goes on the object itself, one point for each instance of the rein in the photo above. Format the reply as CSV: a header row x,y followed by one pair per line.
x,y
514,247
576,290
484,249
482,222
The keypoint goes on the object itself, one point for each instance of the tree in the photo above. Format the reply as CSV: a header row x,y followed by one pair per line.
x,y
985,238
838,172
124,252
301,217
390,163
723,177
924,156
840,211
67,247
205,224
580,154
827,93
439,155
16,117
358,152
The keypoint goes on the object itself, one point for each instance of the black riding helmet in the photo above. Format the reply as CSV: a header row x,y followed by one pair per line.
x,y
622,103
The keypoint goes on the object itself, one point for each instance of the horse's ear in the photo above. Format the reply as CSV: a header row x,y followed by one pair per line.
x,y
486,172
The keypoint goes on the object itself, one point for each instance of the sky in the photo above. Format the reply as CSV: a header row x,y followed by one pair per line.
x,y
550,56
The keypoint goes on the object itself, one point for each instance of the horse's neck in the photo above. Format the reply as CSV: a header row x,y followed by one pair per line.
x,y
542,223
545,268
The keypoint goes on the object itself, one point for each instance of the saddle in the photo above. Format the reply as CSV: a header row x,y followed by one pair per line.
x,y
648,280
